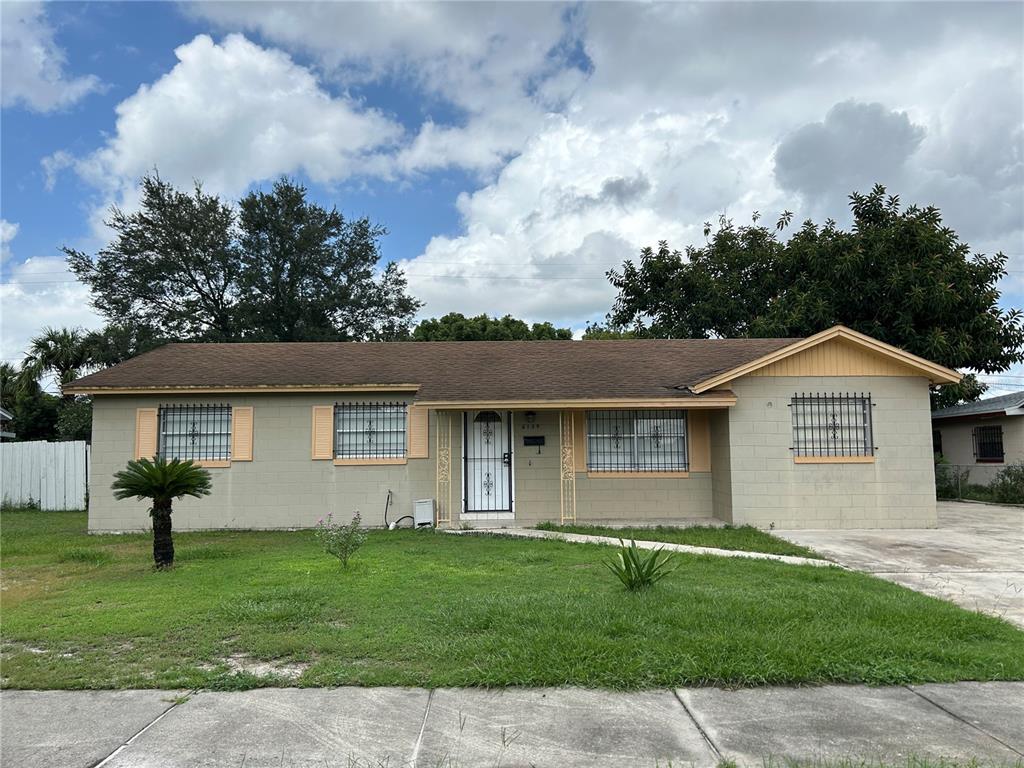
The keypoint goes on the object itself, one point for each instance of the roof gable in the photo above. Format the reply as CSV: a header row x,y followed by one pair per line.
x,y
838,351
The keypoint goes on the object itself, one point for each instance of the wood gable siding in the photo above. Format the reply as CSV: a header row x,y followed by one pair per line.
x,y
835,358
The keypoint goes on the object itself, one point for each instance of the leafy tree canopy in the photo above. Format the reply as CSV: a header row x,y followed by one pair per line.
x,y
897,274
35,411
190,266
596,331
457,327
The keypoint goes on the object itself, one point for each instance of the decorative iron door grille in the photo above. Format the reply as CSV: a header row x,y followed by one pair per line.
x,y
487,473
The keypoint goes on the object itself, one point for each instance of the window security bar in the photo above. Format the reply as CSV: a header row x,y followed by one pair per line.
x,y
637,441
830,424
370,430
192,432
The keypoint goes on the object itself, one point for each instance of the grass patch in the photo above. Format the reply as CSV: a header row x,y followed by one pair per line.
x,y
745,538
249,609
85,555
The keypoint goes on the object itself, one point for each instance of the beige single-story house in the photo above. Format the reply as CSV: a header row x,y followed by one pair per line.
x,y
829,431
982,437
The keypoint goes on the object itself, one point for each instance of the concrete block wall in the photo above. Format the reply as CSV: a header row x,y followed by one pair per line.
x,y
768,488
282,487
958,445
598,499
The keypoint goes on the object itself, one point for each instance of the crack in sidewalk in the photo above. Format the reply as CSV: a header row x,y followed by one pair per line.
x,y
134,736
964,720
700,728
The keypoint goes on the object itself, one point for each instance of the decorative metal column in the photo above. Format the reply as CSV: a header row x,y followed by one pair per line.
x,y
567,466
444,467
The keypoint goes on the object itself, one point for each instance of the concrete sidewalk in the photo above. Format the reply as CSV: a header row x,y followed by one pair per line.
x,y
288,727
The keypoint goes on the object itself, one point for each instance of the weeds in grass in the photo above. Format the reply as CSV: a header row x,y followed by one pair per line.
x,y
84,555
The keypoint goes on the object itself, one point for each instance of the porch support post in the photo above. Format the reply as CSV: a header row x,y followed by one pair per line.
x,y
567,466
444,467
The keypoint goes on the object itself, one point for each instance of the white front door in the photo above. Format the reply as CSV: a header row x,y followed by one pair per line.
x,y
487,439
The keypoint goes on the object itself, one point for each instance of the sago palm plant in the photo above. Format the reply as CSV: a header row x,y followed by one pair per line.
x,y
161,481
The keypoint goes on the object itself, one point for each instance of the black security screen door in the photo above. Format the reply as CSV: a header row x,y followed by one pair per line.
x,y
487,436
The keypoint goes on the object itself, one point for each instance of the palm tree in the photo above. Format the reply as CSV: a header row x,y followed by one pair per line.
x,y
63,352
162,481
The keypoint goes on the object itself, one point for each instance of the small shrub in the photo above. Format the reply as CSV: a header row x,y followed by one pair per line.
x,y
638,570
546,525
340,539
1008,487
950,481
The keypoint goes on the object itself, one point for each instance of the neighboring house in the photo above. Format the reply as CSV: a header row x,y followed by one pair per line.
x,y
6,417
829,431
983,436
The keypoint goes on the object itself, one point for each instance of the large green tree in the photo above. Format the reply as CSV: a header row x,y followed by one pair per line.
x,y
310,274
457,327
897,274
172,266
189,266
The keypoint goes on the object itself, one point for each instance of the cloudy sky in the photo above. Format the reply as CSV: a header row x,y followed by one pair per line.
x,y
515,151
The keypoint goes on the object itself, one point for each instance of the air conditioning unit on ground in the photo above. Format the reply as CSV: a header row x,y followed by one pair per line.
x,y
423,511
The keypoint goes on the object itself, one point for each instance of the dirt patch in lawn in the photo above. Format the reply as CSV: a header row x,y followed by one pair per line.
x,y
240,663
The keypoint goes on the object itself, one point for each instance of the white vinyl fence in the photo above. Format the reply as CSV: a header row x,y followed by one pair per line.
x,y
49,475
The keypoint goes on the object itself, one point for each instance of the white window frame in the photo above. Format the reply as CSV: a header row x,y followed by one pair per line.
x,y
640,428
370,428
200,424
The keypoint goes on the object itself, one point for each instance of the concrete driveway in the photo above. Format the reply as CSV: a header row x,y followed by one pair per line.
x,y
975,557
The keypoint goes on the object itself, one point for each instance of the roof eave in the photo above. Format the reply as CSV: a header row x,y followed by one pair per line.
x,y
235,390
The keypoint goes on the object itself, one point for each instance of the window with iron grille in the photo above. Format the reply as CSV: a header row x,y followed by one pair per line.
x,y
369,430
636,441
832,425
195,432
988,443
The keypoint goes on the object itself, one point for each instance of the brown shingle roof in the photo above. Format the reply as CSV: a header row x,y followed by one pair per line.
x,y
444,371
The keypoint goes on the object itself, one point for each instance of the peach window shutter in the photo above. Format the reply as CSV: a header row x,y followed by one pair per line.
x,y
698,424
323,431
145,432
579,434
241,433
418,433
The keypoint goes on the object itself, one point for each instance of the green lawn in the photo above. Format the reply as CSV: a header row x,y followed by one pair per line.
x,y
745,537
425,608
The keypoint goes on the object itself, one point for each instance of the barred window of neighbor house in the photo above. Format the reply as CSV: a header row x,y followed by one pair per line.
x,y
195,432
988,443
637,441
369,430
830,424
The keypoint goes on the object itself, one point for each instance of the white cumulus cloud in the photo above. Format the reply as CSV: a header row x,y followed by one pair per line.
x,y
33,64
232,113
34,293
